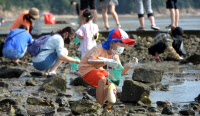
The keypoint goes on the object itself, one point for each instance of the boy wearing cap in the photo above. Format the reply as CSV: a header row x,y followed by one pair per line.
x,y
91,65
26,19
163,42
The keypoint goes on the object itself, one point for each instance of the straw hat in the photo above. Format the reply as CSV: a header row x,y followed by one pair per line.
x,y
34,12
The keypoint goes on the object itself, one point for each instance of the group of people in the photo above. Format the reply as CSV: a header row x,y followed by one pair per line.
x,y
93,57
104,5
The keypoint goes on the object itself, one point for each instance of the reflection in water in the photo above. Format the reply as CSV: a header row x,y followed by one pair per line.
x,y
184,92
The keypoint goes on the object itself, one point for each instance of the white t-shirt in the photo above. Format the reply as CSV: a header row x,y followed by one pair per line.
x,y
54,43
87,31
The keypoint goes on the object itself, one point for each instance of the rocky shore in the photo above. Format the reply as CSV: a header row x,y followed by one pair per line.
x,y
26,91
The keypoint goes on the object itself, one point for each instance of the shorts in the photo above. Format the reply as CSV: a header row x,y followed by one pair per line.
x,y
94,76
105,3
86,3
159,48
12,53
171,4
47,63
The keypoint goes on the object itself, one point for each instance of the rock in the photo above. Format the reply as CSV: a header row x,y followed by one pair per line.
x,y
20,111
63,109
4,91
37,74
187,112
167,110
195,59
10,101
163,103
38,101
79,82
62,101
91,91
4,85
47,112
30,82
88,97
55,83
152,109
146,100
197,98
11,73
133,91
85,106
147,75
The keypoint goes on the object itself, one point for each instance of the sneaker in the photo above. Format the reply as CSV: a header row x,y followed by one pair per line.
x,y
140,29
168,27
154,27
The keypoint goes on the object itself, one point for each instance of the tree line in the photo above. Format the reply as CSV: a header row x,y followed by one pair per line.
x,y
64,6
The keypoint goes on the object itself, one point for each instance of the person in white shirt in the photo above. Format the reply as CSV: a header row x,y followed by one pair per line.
x,y
87,33
54,52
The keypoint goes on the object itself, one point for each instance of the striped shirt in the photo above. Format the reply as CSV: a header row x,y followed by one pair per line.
x,y
167,39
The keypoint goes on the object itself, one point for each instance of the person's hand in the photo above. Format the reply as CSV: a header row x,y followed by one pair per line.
x,y
110,62
133,62
180,58
77,61
80,37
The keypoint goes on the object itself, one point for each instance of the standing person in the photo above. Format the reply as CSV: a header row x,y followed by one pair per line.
x,y
73,3
163,42
16,43
91,66
103,5
140,11
87,32
54,53
26,18
174,12
84,5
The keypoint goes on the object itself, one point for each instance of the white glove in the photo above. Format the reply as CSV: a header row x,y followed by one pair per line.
x,y
180,58
133,62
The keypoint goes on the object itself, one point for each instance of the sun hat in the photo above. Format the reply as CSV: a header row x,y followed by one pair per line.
x,y
117,35
34,12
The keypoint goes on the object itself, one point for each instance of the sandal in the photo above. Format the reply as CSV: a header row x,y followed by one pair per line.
x,y
154,27
140,29
106,28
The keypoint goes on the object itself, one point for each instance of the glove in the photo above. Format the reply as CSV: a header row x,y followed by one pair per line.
x,y
133,62
180,58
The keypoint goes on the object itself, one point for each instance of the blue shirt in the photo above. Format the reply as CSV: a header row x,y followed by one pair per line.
x,y
18,42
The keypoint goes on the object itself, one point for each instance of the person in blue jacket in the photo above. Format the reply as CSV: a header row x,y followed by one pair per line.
x,y
16,43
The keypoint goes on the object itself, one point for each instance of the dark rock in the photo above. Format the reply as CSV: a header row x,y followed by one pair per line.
x,y
62,101
38,101
20,111
4,91
163,103
79,82
132,91
85,106
91,91
195,59
88,97
37,74
64,109
197,98
187,112
55,83
167,110
152,109
11,73
4,85
140,110
147,75
10,101
46,112
30,82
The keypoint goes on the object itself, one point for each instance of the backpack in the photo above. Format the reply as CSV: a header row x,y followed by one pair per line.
x,y
1,48
37,45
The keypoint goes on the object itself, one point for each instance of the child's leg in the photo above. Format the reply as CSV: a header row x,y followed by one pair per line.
x,y
101,93
105,17
176,17
55,66
172,14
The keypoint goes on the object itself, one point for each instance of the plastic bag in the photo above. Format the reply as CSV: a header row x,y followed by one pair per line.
x,y
74,65
77,40
49,18
114,75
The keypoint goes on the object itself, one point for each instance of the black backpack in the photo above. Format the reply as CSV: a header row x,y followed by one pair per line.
x,y
1,49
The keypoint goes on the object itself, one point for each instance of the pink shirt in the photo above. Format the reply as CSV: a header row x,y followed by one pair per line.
x,y
94,53
87,31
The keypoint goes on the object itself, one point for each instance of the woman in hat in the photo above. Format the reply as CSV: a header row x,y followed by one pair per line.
x,y
26,19
91,65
